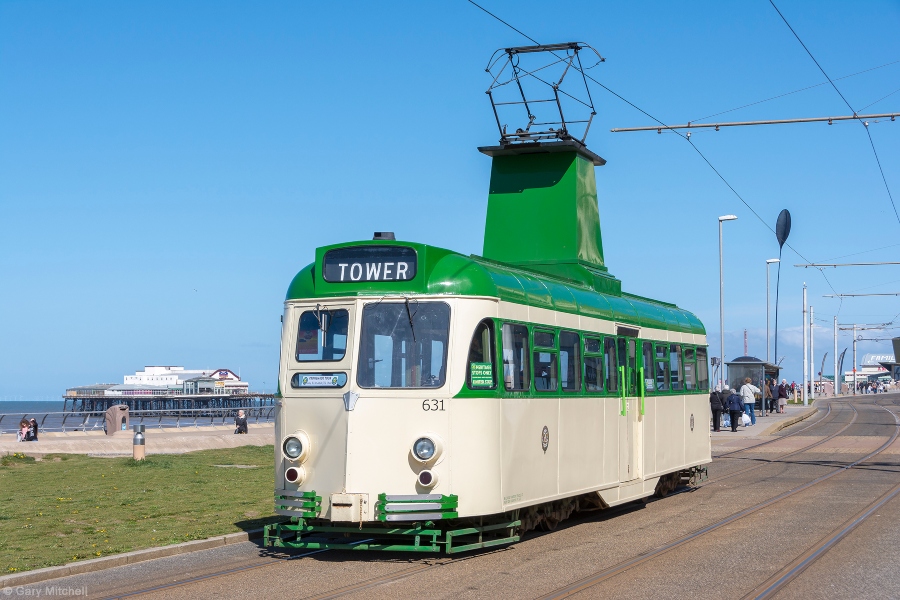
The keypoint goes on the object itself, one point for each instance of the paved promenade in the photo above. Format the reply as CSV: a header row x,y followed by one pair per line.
x,y
158,441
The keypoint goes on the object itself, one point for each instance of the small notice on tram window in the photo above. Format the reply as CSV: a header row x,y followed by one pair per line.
x,y
482,374
359,264
648,384
323,380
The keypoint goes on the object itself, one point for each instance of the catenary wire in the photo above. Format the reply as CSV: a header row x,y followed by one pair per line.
x,y
801,90
858,253
879,100
868,133
663,125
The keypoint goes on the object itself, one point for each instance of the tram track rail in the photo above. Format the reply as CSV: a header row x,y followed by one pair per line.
x,y
795,568
768,461
619,568
819,421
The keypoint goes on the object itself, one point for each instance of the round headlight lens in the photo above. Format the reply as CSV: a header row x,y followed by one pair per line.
x,y
424,448
293,447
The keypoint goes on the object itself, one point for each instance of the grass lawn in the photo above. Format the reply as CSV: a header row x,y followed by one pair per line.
x,y
71,507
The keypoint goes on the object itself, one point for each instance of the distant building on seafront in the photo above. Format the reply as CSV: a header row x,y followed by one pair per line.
x,y
162,386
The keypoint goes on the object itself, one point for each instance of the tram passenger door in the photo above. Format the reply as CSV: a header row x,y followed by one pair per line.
x,y
629,409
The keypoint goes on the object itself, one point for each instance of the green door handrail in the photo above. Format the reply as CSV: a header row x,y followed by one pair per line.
x,y
624,410
641,385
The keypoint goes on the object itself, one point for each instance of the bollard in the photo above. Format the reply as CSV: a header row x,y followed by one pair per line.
x,y
138,447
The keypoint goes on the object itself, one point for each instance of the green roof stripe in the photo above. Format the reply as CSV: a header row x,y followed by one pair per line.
x,y
441,271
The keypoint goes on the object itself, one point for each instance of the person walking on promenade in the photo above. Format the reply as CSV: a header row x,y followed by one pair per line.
x,y
782,396
735,408
748,395
767,395
240,423
717,405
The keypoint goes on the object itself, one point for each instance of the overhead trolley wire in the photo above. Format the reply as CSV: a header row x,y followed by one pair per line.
x,y
879,100
868,133
802,90
663,125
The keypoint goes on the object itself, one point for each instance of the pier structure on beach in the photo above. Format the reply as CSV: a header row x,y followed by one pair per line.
x,y
168,388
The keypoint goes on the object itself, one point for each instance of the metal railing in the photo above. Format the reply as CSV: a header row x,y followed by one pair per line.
x,y
96,421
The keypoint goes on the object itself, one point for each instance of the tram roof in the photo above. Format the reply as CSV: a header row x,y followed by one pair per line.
x,y
442,271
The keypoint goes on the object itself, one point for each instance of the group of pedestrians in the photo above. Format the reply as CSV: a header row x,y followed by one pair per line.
x,y
777,395
872,387
28,431
738,405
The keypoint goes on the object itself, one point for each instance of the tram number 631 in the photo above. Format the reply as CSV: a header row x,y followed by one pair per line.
x,y
432,404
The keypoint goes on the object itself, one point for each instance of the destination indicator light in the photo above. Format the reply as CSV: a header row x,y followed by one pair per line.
x,y
369,263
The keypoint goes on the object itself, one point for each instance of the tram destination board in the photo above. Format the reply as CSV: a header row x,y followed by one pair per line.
x,y
369,263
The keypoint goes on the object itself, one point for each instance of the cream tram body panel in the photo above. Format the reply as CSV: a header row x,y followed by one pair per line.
x,y
367,450
493,456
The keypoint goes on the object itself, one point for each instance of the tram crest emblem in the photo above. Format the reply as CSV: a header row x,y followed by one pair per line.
x,y
545,438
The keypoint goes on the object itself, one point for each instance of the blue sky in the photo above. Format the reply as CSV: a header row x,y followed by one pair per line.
x,y
166,167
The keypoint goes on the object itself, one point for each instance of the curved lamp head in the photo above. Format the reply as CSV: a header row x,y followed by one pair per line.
x,y
727,218
773,260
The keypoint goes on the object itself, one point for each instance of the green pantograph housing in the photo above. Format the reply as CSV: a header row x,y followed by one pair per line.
x,y
542,247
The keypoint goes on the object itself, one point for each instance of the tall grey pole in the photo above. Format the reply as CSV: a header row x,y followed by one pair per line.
x,y
854,359
812,355
767,311
722,312
805,352
836,384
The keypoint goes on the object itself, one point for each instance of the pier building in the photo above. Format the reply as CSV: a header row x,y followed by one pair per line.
x,y
168,387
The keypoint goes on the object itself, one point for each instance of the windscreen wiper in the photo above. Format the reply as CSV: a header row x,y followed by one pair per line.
x,y
410,317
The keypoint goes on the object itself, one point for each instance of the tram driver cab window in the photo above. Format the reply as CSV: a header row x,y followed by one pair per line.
x,y
316,325
480,368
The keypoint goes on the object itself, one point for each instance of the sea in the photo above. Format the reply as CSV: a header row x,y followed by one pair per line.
x,y
30,406
13,411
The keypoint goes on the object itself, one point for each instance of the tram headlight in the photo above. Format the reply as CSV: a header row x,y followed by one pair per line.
x,y
296,447
427,448
424,449
293,448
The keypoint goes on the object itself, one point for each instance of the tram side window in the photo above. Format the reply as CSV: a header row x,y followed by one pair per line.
x,y
702,370
480,368
570,361
647,352
690,373
313,323
546,376
662,367
515,357
593,365
675,366
611,364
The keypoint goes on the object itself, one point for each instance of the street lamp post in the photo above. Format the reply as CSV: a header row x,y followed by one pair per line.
x,y
805,350
722,299
768,262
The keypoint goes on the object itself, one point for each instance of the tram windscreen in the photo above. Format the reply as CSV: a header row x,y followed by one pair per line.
x,y
403,345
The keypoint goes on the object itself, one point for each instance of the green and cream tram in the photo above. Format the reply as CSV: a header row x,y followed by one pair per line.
x,y
439,402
